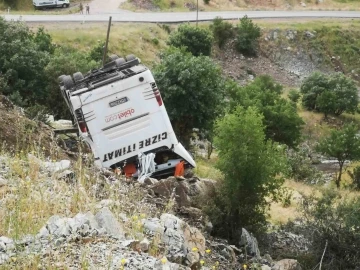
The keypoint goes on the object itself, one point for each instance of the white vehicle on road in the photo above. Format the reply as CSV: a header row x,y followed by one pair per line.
x,y
120,113
39,4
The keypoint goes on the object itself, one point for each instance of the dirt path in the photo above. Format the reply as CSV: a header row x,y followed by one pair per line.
x,y
108,6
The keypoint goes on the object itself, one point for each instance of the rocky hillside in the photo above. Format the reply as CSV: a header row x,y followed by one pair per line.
x,y
58,213
290,55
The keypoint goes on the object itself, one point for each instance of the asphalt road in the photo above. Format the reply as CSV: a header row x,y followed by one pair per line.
x,y
172,17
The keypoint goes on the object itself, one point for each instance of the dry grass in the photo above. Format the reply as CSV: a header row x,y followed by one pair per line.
x,y
33,195
205,168
142,40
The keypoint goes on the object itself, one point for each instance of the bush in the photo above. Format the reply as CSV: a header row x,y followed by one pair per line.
x,y
248,34
221,30
301,168
355,177
23,58
206,2
197,41
281,120
192,89
155,41
252,169
294,95
97,52
334,221
333,94
38,113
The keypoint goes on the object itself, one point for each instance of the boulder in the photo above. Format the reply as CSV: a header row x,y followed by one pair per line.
x,y
53,167
287,264
107,221
248,241
187,191
182,242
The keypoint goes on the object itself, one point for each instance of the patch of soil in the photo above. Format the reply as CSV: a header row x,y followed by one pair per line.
x,y
242,68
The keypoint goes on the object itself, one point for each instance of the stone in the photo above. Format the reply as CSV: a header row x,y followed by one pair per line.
x,y
287,264
303,4
107,220
104,203
178,237
3,258
152,225
275,35
3,182
250,243
50,224
208,226
192,258
63,227
150,181
53,167
43,233
308,34
86,219
144,245
66,175
290,34
265,267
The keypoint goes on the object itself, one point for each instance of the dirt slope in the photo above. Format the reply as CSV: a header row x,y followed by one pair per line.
x,y
18,133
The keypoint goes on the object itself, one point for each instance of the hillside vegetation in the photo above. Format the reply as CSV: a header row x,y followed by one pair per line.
x,y
269,110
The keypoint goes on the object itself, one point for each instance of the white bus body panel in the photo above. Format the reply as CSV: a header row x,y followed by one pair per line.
x,y
124,119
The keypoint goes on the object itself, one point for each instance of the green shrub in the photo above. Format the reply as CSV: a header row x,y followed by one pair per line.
x,y
252,169
355,177
195,80
155,41
23,58
206,2
301,168
38,113
97,52
329,94
333,221
247,37
221,30
294,95
197,41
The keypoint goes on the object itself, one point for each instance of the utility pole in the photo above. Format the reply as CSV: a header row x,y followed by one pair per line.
x,y
197,12
107,41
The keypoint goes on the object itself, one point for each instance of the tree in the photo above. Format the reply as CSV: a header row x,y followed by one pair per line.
x,y
333,94
281,120
248,34
191,88
252,169
343,144
197,41
22,62
221,30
